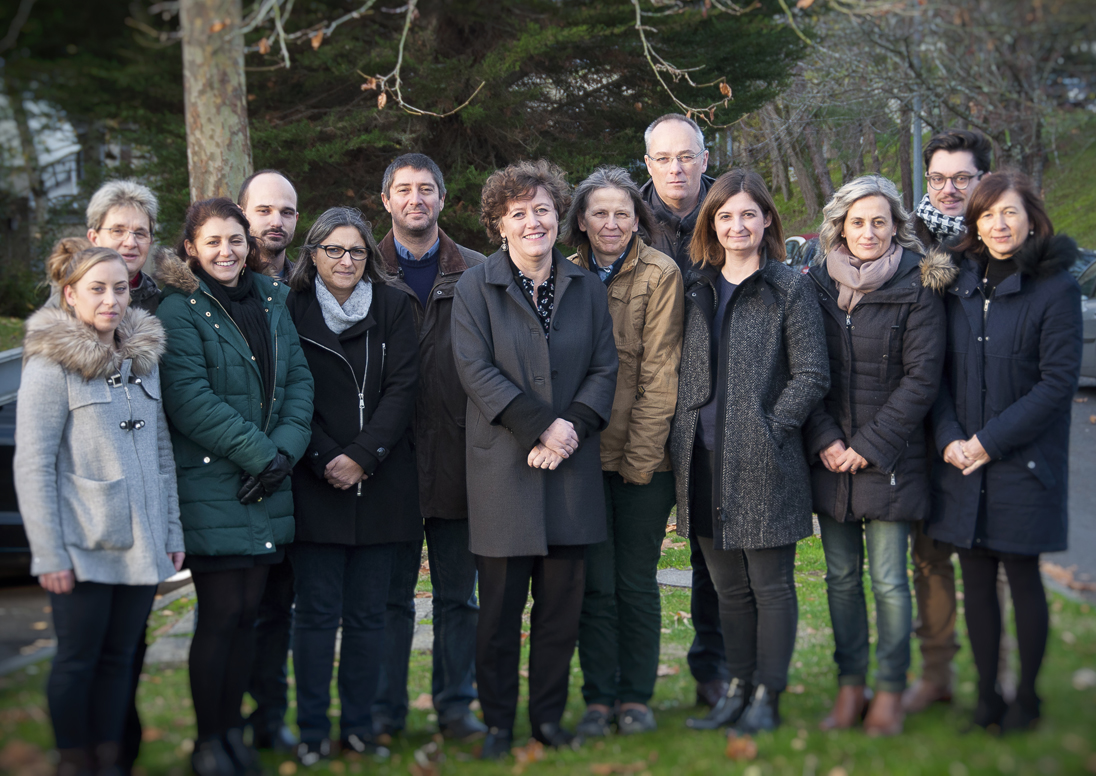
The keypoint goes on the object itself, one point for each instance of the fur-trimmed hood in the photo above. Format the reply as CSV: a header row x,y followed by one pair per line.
x,y
57,336
174,273
938,271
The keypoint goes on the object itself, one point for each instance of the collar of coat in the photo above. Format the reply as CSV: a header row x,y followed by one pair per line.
x,y
177,278
449,255
1038,258
59,337
581,256
497,270
663,214
936,268
709,274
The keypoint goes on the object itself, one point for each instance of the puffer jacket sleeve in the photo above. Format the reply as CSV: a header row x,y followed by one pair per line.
x,y
1060,339
294,429
399,383
41,414
883,441
805,340
200,414
820,431
649,424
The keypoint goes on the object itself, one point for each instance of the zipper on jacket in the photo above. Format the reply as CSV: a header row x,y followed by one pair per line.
x,y
361,388
893,483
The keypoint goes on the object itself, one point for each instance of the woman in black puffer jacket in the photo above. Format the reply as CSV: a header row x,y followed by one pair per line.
x,y
884,319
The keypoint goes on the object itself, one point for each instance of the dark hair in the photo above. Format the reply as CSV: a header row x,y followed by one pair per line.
x,y
991,189
218,207
603,178
415,162
241,198
705,247
520,181
961,140
303,275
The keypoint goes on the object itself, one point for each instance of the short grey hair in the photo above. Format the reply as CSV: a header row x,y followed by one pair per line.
x,y
415,162
603,178
673,117
303,274
833,215
122,193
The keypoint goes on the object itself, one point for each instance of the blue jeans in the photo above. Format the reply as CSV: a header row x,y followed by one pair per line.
x,y
334,583
456,611
888,551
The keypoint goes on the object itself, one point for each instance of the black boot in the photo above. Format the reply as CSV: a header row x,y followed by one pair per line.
x,y
209,758
1022,715
106,759
990,711
243,756
497,743
763,713
74,762
727,709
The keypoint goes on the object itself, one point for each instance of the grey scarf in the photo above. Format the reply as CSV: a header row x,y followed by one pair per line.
x,y
338,317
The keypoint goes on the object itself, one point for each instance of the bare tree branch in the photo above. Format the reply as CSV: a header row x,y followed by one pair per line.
x,y
16,26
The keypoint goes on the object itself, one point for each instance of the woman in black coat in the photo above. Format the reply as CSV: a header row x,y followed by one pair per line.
x,y
884,317
1002,422
355,490
753,366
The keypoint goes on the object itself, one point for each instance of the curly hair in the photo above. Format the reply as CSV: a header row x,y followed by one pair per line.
x,y
520,181
705,247
833,215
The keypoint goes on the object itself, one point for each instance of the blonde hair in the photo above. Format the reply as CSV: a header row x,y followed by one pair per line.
x,y
71,259
835,211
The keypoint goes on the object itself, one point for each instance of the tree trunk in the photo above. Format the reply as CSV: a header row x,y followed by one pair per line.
x,y
905,161
780,167
872,148
38,200
215,96
818,160
856,138
803,177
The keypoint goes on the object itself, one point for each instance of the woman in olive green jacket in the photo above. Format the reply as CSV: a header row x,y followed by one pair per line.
x,y
238,393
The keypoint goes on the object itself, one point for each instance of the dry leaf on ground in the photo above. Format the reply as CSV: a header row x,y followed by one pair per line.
x,y
666,670
741,748
425,702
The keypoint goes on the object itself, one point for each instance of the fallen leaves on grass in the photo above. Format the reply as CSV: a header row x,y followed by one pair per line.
x,y
668,670
524,756
1065,576
22,759
428,759
797,689
151,734
1084,679
669,543
425,702
741,748
287,768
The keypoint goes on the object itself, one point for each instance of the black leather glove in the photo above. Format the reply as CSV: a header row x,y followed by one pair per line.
x,y
255,487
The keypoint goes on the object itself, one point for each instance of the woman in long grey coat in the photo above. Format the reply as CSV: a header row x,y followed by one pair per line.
x,y
95,478
743,487
534,347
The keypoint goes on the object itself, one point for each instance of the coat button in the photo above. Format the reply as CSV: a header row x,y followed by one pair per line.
x,y
206,459
1031,464
381,451
253,358
979,339
269,545
194,301
270,299
275,283
209,314
216,326
122,425
138,381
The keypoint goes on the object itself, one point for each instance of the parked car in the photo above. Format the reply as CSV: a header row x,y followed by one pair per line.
x,y
1085,270
801,249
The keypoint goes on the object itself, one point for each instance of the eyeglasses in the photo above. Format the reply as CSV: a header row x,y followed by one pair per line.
x,y
119,233
336,252
961,181
686,160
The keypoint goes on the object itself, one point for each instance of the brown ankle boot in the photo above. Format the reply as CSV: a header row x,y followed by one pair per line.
x,y
885,715
848,708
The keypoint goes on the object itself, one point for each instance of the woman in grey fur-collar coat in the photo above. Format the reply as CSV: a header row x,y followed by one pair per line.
x,y
95,478
752,368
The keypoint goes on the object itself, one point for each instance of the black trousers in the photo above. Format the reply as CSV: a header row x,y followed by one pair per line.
x,y
273,630
558,582
89,686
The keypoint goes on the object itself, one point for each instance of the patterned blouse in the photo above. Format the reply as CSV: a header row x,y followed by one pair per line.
x,y
544,304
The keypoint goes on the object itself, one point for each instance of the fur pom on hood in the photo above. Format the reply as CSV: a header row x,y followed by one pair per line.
x,y
58,336
938,271
174,273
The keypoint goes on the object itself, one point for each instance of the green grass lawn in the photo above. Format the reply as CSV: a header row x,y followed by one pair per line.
x,y
934,742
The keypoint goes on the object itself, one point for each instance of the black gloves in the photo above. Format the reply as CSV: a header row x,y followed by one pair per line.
x,y
266,482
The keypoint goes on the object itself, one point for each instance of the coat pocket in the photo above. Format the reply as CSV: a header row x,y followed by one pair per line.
x,y
95,515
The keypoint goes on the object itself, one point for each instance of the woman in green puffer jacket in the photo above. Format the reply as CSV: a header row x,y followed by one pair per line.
x,y
238,393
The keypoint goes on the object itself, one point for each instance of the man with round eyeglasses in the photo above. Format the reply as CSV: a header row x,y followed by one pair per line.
x,y
677,160
955,163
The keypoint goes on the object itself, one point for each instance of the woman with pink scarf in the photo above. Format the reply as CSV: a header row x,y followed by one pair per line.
x,y
883,313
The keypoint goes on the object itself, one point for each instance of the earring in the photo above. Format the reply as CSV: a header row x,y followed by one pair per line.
x,y
505,247
1031,232
979,238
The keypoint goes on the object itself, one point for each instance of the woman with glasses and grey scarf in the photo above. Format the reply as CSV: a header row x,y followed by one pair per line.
x,y
355,489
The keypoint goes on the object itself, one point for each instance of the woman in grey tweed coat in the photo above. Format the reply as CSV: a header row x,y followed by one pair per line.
x,y
753,367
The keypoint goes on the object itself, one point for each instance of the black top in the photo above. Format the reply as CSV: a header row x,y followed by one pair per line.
x,y
709,418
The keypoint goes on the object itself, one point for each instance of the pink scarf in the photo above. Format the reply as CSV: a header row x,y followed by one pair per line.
x,y
855,277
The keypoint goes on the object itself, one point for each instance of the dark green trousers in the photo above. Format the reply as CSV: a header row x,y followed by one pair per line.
x,y
618,635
